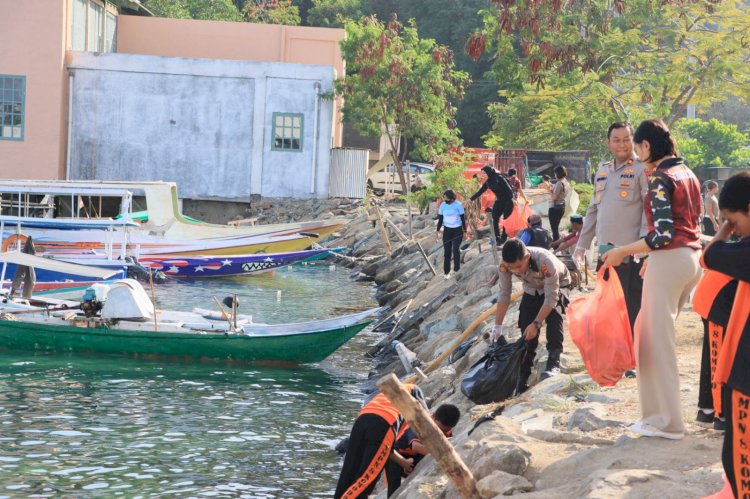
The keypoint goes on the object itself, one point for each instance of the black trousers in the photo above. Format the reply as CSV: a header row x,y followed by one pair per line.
x,y
632,287
527,312
452,237
708,227
735,453
555,215
370,446
713,337
502,207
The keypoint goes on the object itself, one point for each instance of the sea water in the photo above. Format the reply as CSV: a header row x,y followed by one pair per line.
x,y
89,426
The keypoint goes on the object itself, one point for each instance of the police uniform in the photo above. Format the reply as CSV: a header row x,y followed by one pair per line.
x,y
616,216
545,282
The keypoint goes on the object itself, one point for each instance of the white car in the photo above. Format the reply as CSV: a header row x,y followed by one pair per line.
x,y
387,179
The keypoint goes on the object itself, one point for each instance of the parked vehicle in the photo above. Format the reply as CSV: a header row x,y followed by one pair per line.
x,y
387,180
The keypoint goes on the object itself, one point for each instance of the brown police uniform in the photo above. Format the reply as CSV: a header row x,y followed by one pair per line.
x,y
616,216
545,282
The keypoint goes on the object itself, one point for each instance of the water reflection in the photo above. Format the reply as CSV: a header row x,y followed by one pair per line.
x,y
88,426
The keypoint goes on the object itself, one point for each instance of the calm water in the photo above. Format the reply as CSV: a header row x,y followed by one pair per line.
x,y
91,427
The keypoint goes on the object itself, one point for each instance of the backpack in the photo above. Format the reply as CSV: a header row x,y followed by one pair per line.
x,y
540,237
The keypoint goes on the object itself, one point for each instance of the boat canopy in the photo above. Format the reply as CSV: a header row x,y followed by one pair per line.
x,y
27,260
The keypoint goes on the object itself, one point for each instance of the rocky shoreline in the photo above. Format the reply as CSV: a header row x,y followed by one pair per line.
x,y
565,437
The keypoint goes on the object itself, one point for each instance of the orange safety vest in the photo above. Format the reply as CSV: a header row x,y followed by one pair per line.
x,y
737,323
381,406
706,291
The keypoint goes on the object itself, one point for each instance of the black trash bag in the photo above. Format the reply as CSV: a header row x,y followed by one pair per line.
x,y
495,376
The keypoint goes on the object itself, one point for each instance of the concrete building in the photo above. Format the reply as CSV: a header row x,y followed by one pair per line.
x,y
97,89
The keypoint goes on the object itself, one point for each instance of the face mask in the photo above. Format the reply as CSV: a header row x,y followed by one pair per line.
x,y
449,201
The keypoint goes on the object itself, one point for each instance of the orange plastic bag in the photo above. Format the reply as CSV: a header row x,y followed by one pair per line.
x,y
600,328
517,220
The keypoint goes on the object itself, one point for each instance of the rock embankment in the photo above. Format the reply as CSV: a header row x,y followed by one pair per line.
x,y
565,437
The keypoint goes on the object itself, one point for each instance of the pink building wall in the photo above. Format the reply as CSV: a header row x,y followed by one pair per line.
x,y
235,41
33,40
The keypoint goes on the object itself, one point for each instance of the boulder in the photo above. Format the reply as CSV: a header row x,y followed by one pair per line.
x,y
501,483
504,457
590,419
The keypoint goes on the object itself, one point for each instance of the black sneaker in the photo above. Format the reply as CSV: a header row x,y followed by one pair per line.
x,y
630,373
703,417
720,424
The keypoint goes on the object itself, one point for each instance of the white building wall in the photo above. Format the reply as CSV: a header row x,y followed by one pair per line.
x,y
205,124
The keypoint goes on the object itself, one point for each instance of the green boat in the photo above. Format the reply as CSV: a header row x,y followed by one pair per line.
x,y
119,319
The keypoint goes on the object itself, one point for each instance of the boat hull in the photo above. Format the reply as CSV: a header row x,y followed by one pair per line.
x,y
228,265
48,280
192,346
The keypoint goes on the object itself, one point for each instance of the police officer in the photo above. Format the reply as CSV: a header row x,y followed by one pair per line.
x,y
616,213
546,285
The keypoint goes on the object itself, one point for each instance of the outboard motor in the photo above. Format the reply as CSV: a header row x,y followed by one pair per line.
x,y
93,299
140,272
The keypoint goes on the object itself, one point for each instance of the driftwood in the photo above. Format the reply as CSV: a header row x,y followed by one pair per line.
x,y
426,259
440,448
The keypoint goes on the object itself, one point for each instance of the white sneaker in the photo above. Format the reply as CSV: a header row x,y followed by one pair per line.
x,y
446,277
549,373
646,430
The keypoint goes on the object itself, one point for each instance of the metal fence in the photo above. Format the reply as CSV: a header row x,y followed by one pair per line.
x,y
348,174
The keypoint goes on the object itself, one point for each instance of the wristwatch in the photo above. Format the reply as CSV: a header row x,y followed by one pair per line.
x,y
538,324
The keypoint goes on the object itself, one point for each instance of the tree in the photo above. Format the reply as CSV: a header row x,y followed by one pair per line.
x,y
272,12
649,55
334,13
400,85
214,10
713,143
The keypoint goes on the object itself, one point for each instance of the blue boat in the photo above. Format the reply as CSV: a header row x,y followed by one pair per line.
x,y
229,265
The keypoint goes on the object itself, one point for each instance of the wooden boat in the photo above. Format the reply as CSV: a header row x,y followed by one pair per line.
x,y
69,217
59,275
121,320
228,265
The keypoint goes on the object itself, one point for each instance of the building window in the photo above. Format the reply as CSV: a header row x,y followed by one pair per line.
x,y
287,131
12,106
94,28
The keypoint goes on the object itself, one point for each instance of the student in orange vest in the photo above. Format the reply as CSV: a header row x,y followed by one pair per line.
x,y
410,446
733,369
371,444
712,300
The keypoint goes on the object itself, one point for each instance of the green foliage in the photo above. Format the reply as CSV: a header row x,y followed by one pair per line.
x,y
400,84
214,10
585,193
589,63
713,143
282,12
449,174
334,13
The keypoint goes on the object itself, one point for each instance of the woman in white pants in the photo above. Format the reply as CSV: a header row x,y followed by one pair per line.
x,y
673,212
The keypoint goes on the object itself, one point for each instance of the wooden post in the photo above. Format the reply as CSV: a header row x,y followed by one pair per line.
x,y
446,457
398,232
408,193
383,232
426,259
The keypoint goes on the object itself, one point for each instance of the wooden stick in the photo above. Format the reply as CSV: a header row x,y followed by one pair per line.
x,y
397,231
430,435
426,259
383,232
223,313
153,297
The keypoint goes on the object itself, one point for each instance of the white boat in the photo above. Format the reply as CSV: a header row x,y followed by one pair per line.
x,y
70,217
